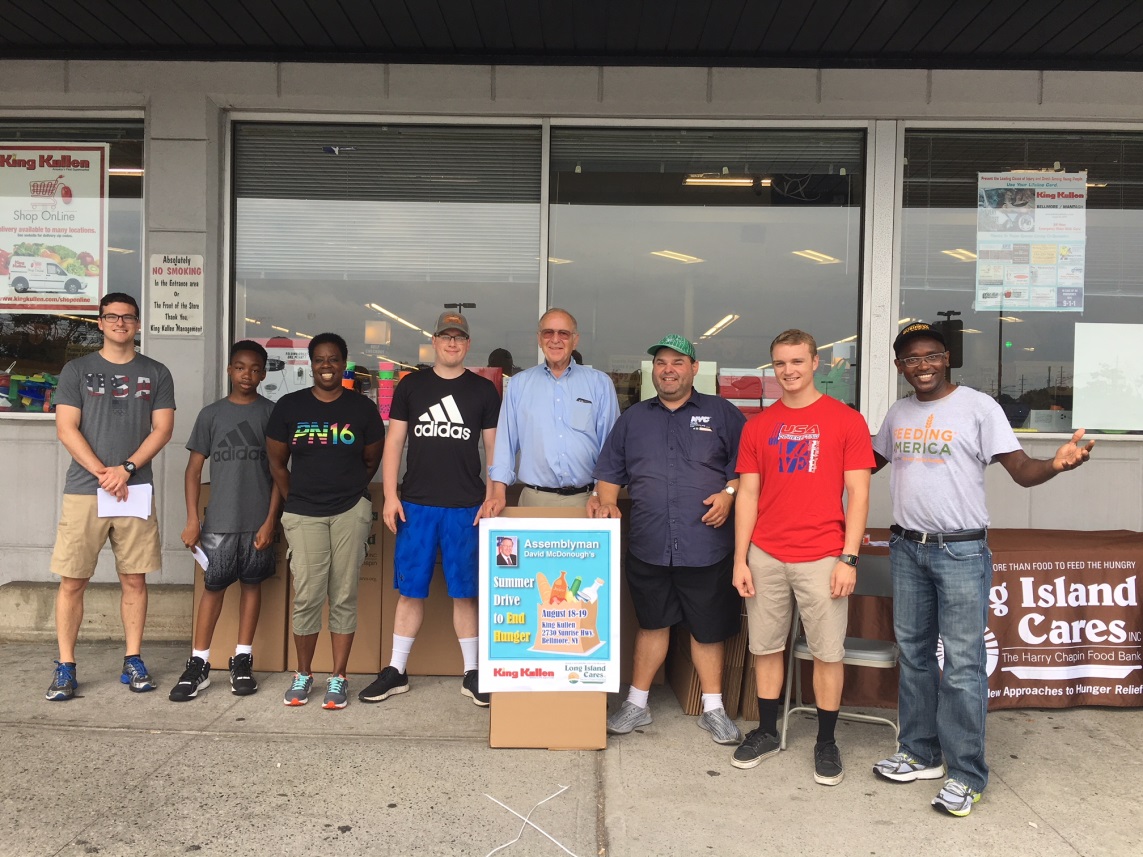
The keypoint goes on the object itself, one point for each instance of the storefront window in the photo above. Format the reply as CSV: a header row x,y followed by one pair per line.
x,y
54,251
370,231
728,237
1030,241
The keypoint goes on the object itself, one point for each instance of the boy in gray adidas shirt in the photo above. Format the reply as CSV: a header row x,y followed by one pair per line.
x,y
236,533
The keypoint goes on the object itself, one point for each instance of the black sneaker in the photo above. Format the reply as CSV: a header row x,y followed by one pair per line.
x,y
827,764
242,682
756,746
471,687
388,682
195,677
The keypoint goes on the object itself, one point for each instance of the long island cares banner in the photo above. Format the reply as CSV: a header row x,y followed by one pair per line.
x,y
53,227
1031,240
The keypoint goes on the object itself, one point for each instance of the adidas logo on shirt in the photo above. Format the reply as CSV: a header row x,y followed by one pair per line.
x,y
241,444
442,420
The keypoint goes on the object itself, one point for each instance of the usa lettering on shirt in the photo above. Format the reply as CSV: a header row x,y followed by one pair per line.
x,y
799,447
97,384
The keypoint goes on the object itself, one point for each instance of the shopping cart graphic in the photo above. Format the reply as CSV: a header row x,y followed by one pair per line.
x,y
43,193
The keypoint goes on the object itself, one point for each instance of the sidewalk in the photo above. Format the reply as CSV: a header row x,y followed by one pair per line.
x,y
116,773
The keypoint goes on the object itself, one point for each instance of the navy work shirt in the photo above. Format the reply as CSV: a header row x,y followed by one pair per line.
x,y
670,462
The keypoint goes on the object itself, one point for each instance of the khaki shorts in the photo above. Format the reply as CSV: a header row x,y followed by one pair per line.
x,y
770,611
82,535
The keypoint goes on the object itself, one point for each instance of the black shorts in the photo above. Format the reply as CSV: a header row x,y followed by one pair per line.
x,y
231,557
704,597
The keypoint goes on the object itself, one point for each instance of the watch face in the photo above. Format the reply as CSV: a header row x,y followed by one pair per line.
x,y
729,490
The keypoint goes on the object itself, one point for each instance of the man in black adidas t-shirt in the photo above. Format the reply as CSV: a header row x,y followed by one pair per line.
x,y
444,412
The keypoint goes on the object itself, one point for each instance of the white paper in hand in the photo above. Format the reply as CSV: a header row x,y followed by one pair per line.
x,y
200,557
137,504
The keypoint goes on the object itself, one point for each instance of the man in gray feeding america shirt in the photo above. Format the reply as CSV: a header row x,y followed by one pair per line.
x,y
940,441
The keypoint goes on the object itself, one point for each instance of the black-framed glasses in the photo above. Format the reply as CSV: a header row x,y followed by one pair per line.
x,y
110,317
934,359
453,337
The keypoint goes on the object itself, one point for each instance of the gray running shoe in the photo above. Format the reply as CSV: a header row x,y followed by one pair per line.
x,y
903,768
299,692
136,676
756,746
629,716
336,693
64,683
827,764
720,727
955,798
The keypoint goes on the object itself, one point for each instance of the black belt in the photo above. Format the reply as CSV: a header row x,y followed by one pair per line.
x,y
563,492
939,538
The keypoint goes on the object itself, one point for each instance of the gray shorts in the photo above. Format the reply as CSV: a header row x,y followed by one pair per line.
x,y
231,557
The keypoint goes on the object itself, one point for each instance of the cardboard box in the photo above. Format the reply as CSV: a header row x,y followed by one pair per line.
x,y
365,657
273,619
684,677
549,720
553,720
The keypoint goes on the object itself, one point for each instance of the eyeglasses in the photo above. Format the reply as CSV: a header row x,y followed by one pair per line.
x,y
931,359
453,337
549,333
112,316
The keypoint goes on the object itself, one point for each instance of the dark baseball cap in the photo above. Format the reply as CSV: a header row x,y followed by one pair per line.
x,y
451,321
916,330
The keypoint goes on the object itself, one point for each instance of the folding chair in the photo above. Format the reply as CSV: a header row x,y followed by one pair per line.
x,y
873,578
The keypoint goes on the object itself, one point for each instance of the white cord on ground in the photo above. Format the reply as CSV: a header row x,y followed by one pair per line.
x,y
528,823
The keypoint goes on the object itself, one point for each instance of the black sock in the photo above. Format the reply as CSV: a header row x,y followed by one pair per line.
x,y
125,657
827,720
768,715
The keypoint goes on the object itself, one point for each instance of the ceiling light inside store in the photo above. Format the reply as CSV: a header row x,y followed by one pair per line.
x,y
119,250
552,260
815,256
1011,319
1097,184
302,335
724,180
1029,348
721,325
678,257
283,329
125,171
970,330
961,255
398,318
252,321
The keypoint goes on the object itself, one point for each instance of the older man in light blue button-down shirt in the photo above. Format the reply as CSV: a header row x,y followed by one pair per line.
x,y
556,416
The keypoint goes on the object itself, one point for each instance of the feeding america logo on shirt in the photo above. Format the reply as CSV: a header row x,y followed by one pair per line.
x,y
442,420
926,444
799,447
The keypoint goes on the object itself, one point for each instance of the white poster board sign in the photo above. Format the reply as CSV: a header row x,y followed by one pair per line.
x,y
1108,377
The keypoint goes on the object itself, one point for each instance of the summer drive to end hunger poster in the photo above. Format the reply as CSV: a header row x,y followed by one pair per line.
x,y
53,227
549,604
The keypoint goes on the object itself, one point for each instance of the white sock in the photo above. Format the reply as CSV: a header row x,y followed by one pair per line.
x,y
639,697
470,649
401,648
243,650
711,701
201,653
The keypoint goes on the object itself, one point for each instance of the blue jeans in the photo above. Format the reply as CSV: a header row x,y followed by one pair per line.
x,y
942,589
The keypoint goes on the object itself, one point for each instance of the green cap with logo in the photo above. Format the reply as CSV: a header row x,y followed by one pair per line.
x,y
676,343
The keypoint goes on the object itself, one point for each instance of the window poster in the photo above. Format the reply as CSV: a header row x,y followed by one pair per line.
x,y
1031,237
549,604
53,227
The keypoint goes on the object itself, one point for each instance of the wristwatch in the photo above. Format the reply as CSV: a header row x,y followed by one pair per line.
x,y
730,489
848,559
129,466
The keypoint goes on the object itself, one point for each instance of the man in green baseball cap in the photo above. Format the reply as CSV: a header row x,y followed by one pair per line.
x,y
676,454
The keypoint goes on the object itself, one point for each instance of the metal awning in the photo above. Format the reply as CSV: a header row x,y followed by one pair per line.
x,y
1047,34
